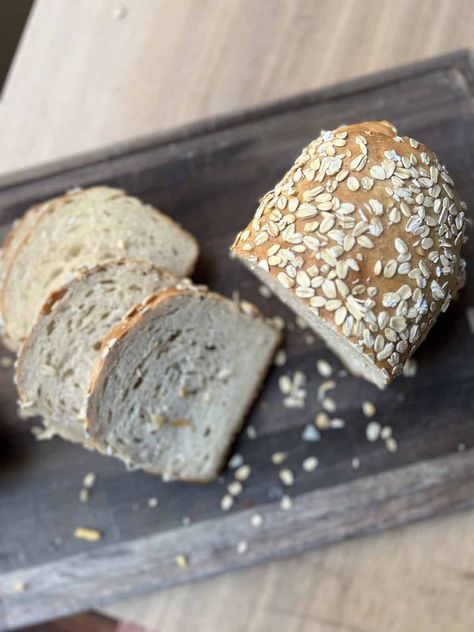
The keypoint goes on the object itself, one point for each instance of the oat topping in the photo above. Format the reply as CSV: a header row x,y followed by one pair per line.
x,y
362,209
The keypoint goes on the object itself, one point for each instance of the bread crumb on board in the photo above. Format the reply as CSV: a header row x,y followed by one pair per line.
x,y
243,472
279,457
286,503
182,561
369,409
87,534
287,477
256,520
310,464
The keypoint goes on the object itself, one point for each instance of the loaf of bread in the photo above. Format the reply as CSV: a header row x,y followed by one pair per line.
x,y
175,380
55,362
362,238
81,229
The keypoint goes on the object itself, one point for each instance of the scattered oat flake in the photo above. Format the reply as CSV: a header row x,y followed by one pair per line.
x,y
461,447
310,433
355,462
226,502
251,432
87,534
324,368
6,362
287,476
329,405
236,460
336,423
153,502
89,480
242,547
182,561
186,521
279,457
20,586
368,409
84,495
285,384
386,433
310,464
265,291
372,432
391,444
256,520
280,358
322,421
286,503
243,472
234,488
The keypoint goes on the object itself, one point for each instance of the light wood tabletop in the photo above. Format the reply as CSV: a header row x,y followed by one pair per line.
x,y
89,74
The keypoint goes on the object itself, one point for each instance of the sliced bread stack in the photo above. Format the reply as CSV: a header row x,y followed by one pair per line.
x,y
81,229
119,353
57,357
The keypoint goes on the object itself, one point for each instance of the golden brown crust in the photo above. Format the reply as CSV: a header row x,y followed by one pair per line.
x,y
365,229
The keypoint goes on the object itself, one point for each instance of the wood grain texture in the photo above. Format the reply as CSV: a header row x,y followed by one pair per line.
x,y
83,79
205,178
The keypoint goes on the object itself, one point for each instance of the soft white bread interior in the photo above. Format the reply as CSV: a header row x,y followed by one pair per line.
x,y
55,362
18,231
188,364
362,238
81,229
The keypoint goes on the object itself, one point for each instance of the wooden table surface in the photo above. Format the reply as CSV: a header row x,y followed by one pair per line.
x,y
91,73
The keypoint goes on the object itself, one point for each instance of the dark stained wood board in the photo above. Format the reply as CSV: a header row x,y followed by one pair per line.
x,y
209,177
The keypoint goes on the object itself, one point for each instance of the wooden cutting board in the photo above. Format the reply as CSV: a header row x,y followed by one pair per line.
x,y
209,178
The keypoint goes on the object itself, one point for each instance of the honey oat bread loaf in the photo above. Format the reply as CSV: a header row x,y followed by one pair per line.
x,y
55,362
362,238
175,381
81,229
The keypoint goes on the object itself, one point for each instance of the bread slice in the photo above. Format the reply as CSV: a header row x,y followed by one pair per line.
x,y
78,230
362,237
54,364
175,381
18,231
